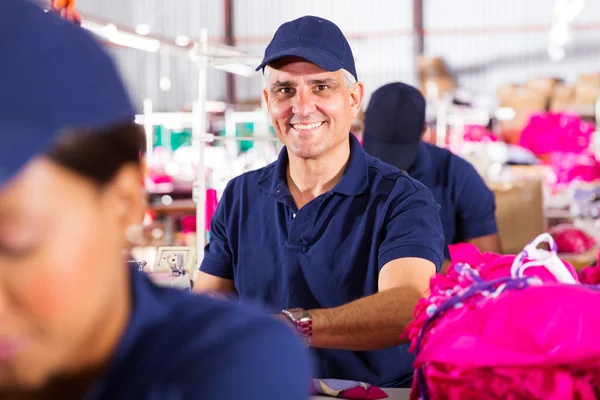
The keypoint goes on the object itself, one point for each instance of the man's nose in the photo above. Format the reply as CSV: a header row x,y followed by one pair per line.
x,y
304,103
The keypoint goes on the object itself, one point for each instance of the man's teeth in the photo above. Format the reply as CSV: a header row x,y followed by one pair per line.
x,y
303,127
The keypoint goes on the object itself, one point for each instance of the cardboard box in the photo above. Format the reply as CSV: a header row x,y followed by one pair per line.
x,y
589,80
434,77
580,261
519,212
525,101
434,87
431,67
543,85
562,97
587,89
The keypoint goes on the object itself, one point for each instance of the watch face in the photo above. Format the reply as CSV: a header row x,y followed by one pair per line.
x,y
299,314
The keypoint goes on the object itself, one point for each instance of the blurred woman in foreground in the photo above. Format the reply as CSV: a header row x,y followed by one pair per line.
x,y
75,322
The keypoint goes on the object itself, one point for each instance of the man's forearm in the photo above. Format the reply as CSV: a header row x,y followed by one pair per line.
x,y
371,323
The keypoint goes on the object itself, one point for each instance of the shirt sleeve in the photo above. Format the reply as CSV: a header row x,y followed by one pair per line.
x,y
475,205
218,257
413,227
265,362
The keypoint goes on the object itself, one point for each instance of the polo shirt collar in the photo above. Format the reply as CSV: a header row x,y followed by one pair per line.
x,y
354,182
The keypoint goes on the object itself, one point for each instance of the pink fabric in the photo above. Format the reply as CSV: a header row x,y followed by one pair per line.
x,y
590,275
344,389
551,132
572,240
568,167
360,392
161,178
476,133
540,341
188,224
211,206
563,140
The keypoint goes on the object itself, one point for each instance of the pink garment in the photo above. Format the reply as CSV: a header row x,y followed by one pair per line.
x,y
211,206
551,132
161,178
188,222
570,239
568,167
590,275
343,389
527,335
476,133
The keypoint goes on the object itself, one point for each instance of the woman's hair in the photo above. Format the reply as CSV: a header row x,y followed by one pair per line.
x,y
100,155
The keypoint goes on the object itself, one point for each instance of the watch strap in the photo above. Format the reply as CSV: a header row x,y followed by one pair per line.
x,y
303,322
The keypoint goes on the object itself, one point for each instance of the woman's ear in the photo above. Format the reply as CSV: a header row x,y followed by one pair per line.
x,y
128,195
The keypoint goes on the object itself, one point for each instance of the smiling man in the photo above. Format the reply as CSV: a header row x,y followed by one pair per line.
x,y
336,242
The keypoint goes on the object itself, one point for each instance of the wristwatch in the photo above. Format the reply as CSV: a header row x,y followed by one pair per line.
x,y
303,322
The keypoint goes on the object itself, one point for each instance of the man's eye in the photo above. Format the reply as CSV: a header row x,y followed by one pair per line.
x,y
320,88
286,90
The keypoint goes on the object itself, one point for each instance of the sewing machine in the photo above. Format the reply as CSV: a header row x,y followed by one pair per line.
x,y
174,267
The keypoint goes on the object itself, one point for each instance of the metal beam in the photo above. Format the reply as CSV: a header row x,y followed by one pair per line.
x,y
229,40
418,36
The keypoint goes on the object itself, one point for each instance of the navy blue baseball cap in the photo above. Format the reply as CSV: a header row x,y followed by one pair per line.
x,y
54,76
314,39
394,123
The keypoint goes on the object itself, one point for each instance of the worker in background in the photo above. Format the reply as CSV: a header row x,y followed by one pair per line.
x,y
75,321
394,125
338,244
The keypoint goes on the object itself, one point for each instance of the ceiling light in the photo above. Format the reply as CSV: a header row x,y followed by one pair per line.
x,y
142,29
182,40
238,69
165,84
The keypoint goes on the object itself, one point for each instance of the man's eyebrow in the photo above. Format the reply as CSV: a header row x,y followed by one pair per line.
x,y
323,81
280,84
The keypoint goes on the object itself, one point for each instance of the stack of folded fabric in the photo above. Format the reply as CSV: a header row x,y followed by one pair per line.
x,y
510,327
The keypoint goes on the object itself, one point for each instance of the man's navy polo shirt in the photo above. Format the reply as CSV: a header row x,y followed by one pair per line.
x,y
329,252
467,205
181,346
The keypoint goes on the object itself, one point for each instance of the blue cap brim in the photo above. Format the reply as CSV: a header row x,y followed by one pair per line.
x,y
314,55
26,142
401,156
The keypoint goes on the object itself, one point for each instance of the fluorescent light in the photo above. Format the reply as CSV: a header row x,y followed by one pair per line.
x,y
142,29
182,40
238,69
110,29
95,28
165,83
133,41
111,33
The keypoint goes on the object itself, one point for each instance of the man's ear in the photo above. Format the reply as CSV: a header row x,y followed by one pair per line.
x,y
266,96
357,93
